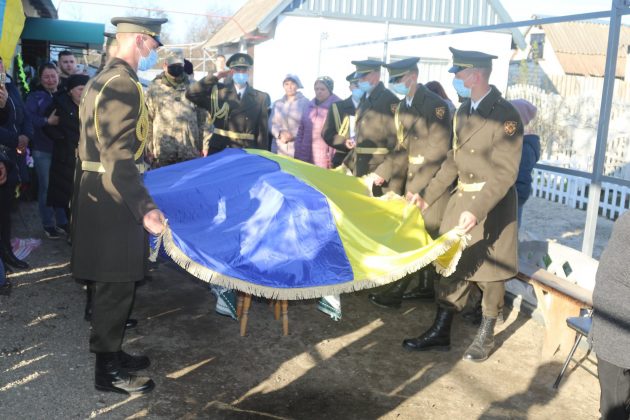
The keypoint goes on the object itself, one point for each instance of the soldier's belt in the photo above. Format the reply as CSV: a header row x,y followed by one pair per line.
x,y
372,150
416,160
475,187
98,167
234,135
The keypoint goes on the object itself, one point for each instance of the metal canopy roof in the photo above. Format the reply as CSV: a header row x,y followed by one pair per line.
x,y
64,32
257,16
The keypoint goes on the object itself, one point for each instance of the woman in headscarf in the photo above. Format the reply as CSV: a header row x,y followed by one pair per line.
x,y
286,116
309,144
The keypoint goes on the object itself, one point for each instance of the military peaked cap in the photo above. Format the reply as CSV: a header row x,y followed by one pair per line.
x,y
352,77
470,59
140,25
240,60
401,67
366,66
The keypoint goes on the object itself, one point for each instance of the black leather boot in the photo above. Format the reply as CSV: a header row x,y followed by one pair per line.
x,y
425,289
391,297
7,255
111,377
483,343
133,363
437,338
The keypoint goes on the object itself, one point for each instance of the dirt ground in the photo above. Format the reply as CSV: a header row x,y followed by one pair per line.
x,y
352,369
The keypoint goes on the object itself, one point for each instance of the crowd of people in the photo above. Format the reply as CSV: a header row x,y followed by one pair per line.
x,y
466,168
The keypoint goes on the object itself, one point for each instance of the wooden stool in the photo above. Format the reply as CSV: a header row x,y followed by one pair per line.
x,y
243,303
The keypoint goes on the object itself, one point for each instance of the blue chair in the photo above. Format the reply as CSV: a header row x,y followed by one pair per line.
x,y
582,327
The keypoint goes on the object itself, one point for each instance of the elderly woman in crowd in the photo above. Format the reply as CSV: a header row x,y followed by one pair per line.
x,y
309,144
54,220
286,116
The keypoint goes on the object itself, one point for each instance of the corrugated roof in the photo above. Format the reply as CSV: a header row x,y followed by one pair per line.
x,y
244,22
259,14
581,47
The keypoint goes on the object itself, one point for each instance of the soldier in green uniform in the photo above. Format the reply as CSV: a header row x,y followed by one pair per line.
x,y
113,209
487,142
239,112
423,138
374,125
339,124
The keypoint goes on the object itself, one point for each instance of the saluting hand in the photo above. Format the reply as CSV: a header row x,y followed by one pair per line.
x,y
417,200
467,221
153,222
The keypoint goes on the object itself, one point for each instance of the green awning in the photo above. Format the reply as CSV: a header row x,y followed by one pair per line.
x,y
65,32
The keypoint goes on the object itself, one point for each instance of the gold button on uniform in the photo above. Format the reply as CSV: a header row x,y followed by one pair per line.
x,y
471,176
472,150
473,197
460,195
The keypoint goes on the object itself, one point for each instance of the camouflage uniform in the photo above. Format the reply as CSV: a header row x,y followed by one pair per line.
x,y
177,126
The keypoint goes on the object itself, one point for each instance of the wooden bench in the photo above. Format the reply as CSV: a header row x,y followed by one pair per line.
x,y
557,294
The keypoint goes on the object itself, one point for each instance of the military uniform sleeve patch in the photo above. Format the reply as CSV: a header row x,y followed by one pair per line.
x,y
440,112
510,127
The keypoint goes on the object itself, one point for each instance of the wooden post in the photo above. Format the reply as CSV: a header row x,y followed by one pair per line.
x,y
276,312
246,304
285,318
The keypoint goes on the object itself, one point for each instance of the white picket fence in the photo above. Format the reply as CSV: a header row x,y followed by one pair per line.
x,y
572,191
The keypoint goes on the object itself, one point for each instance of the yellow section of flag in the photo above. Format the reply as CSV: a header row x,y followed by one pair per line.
x,y
12,25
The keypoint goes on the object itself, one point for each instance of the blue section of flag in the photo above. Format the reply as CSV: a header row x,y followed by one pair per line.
x,y
3,7
242,216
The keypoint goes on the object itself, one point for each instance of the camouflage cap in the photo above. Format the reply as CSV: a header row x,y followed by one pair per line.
x,y
175,56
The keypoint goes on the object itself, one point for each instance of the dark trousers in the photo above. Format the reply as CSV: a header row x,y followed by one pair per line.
x,y
453,293
6,199
614,381
111,306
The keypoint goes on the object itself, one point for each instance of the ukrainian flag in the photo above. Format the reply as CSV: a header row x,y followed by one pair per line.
x,y
280,228
10,28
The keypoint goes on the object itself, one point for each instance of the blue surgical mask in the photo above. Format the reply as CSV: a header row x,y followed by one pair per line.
x,y
147,63
399,88
365,86
240,78
461,90
357,94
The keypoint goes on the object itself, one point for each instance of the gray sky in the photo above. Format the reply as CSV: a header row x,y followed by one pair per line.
x,y
99,11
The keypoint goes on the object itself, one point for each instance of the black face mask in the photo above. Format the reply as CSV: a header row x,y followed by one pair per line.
x,y
175,70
